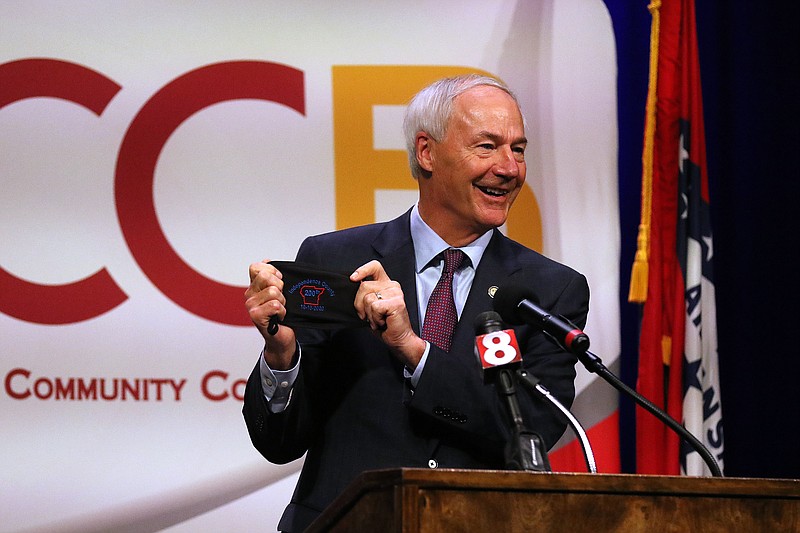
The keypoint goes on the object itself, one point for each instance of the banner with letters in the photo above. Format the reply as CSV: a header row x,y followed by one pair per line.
x,y
150,151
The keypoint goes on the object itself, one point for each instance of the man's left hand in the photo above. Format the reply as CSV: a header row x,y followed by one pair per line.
x,y
380,301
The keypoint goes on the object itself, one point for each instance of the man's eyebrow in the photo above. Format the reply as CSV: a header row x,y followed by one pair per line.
x,y
485,134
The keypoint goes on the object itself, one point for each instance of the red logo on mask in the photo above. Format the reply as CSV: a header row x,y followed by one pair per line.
x,y
311,294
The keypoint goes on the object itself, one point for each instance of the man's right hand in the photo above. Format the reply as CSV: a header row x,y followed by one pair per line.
x,y
264,299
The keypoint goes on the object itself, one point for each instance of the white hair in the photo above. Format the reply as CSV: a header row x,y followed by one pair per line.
x,y
431,108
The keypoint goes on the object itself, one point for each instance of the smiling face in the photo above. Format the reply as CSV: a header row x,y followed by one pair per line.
x,y
477,170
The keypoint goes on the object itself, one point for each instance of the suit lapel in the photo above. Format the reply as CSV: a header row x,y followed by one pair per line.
x,y
496,265
394,247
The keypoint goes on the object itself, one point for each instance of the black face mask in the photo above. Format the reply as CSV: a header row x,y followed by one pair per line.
x,y
318,298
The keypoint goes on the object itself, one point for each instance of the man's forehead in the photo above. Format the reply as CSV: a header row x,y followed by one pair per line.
x,y
481,92
472,112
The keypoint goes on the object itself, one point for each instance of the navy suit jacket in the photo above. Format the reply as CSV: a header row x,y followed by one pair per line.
x,y
352,410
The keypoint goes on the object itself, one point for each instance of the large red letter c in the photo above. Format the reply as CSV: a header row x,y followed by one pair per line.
x,y
97,293
138,155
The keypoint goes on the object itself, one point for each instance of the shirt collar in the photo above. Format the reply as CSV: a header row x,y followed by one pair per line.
x,y
428,244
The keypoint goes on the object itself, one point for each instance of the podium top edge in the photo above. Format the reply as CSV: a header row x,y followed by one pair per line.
x,y
577,481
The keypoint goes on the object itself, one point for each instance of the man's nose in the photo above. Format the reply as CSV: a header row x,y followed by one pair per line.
x,y
507,164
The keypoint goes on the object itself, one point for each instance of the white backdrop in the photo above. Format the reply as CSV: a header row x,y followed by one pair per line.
x,y
238,181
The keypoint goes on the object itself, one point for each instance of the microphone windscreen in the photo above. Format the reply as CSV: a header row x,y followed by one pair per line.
x,y
507,299
487,322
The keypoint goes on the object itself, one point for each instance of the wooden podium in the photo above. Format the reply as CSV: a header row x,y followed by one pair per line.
x,y
423,501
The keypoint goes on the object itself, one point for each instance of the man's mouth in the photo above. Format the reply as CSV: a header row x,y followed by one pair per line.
x,y
492,191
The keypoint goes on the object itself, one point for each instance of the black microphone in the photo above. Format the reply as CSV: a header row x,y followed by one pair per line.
x,y
495,347
517,305
498,352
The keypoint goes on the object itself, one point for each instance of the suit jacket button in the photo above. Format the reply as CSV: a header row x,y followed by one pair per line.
x,y
432,463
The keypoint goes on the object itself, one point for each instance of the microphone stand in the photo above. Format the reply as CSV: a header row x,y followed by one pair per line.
x,y
532,383
525,449
561,331
595,365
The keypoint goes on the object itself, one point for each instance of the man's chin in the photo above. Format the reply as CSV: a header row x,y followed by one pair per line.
x,y
486,225
494,217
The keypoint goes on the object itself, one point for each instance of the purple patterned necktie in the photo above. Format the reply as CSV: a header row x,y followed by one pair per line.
x,y
441,315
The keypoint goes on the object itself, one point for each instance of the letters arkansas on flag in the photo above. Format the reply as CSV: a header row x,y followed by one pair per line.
x,y
678,366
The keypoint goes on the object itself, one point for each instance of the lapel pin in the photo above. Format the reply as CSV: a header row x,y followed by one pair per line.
x,y
492,290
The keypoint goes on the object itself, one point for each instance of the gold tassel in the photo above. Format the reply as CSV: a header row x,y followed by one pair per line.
x,y
641,266
666,349
640,272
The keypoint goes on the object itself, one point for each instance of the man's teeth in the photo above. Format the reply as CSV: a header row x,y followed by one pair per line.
x,y
493,192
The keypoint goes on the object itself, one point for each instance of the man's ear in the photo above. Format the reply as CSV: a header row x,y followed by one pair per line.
x,y
424,156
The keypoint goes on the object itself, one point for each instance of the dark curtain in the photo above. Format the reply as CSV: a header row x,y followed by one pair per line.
x,y
748,60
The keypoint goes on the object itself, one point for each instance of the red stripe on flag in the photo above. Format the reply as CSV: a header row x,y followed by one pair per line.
x,y
661,337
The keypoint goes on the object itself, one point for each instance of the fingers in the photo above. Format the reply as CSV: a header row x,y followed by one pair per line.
x,y
372,270
265,305
377,300
263,276
264,297
263,268
373,280
382,304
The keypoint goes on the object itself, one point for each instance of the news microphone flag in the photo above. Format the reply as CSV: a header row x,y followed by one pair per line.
x,y
497,349
672,273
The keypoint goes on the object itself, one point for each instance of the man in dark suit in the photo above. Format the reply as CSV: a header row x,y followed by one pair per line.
x,y
357,399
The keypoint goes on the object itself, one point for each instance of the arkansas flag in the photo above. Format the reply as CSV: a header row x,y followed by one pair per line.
x,y
672,275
